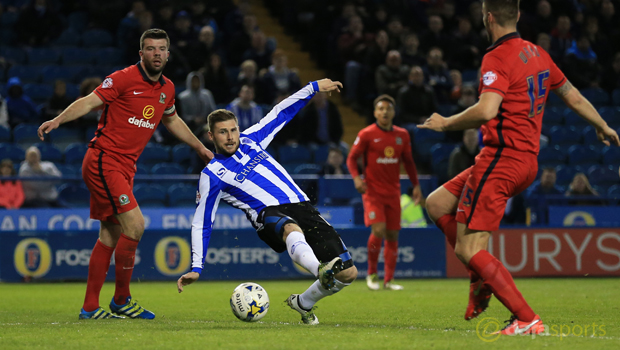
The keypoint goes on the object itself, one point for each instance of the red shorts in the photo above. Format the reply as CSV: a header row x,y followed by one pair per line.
x,y
387,210
110,183
485,188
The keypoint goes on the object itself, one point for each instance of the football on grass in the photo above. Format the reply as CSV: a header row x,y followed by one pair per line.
x,y
249,302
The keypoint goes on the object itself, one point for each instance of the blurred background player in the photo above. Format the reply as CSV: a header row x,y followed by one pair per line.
x,y
516,79
246,177
383,147
136,99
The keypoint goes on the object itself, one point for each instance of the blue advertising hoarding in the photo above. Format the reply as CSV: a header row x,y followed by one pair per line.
x,y
580,216
233,254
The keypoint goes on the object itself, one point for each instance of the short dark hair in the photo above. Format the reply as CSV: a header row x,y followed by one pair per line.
x,y
219,115
549,169
154,33
384,97
505,11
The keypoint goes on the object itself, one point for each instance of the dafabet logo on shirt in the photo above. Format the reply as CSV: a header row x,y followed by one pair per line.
x,y
148,112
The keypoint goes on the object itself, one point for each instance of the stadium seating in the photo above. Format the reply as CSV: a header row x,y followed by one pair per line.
x,y
49,152
63,137
13,55
611,156
616,97
25,134
181,153
614,191
97,38
74,55
294,154
565,174
65,73
5,134
553,117
42,55
74,153
561,135
27,74
13,152
336,190
74,195
78,21
572,119
554,100
154,153
603,175
551,156
597,96
39,93
90,133
73,91
589,136
68,38
69,170
182,195
580,155
320,154
109,56
150,195
167,169
307,169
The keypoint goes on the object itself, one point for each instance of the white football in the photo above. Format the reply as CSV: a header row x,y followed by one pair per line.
x,y
249,302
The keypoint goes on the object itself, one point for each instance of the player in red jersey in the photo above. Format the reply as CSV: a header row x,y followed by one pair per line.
x,y
517,77
383,147
134,101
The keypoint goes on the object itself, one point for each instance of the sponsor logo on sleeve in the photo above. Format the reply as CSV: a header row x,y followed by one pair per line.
x,y
107,83
489,78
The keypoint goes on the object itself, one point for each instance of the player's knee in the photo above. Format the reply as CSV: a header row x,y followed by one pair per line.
x,y
434,207
135,229
463,252
348,275
379,231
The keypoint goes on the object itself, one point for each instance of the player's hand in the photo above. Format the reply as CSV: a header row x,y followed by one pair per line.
x,y
327,85
186,279
435,122
205,155
360,185
46,127
607,134
417,196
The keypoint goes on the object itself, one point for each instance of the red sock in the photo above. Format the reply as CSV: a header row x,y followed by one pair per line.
x,y
390,255
124,257
503,286
447,225
374,248
98,267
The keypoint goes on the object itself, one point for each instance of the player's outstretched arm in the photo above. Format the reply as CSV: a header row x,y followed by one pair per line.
x,y
73,112
186,279
580,105
473,117
327,85
181,131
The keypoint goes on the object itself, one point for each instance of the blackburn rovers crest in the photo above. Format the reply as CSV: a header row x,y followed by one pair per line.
x,y
162,98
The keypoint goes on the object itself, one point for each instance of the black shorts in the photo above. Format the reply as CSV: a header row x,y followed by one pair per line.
x,y
320,235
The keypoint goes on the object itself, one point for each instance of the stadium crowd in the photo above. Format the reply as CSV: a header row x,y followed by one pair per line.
x,y
424,53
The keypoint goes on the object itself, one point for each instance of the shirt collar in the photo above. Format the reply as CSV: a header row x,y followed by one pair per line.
x,y
146,77
503,39
382,129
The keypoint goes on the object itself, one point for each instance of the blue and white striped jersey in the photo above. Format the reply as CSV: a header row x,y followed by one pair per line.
x,y
250,179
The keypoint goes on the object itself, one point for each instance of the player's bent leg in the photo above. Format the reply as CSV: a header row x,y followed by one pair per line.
x,y
441,202
98,267
299,250
132,223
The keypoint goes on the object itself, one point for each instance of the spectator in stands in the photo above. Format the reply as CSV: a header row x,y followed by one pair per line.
x,y
546,185
59,100
378,21
335,163
437,75
409,53
196,101
395,31
183,34
610,79
598,41
242,40
391,76
11,191
561,38
4,114
259,52
247,111
39,193
467,46
200,17
415,101
320,122
544,40
38,24
165,16
377,53
608,18
540,22
91,118
131,28
580,186
285,80
581,64
434,36
457,80
475,17
203,48
265,90
216,79
353,43
464,156
20,107
412,214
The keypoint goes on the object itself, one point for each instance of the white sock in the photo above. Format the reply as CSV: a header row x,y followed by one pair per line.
x,y
301,253
316,292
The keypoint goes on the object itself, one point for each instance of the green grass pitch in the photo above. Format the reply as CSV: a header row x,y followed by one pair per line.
x,y
427,314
